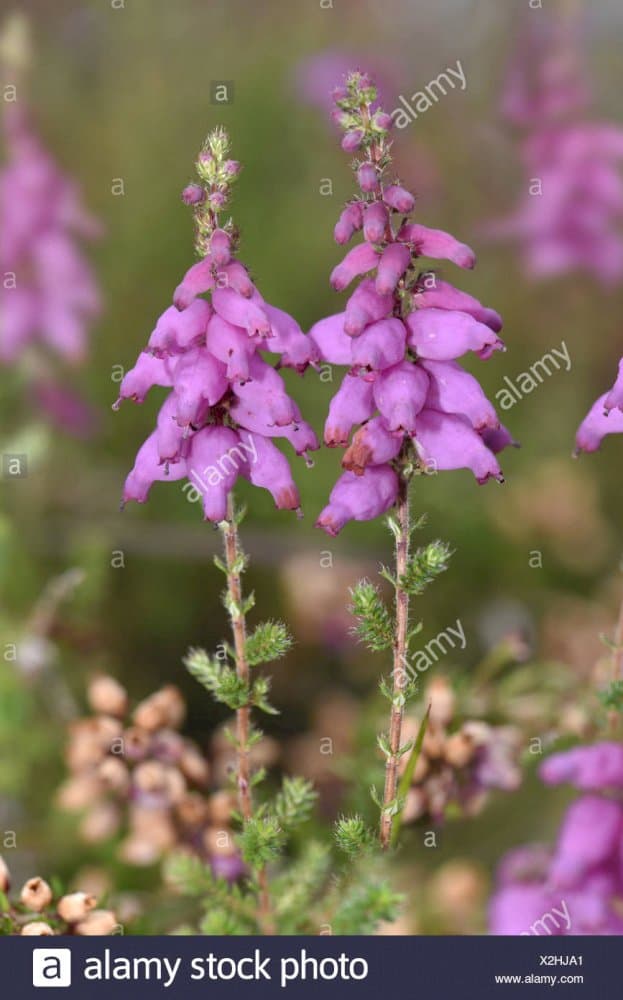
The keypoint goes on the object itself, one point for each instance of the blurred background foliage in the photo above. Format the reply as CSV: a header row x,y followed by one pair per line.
x,y
122,92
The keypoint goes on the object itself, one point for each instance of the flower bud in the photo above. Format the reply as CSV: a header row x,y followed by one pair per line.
x,y
163,708
193,194
459,749
217,199
36,894
231,168
367,178
382,121
192,811
352,140
5,876
99,922
442,700
433,743
398,198
222,804
136,744
114,774
107,697
194,766
75,906
37,928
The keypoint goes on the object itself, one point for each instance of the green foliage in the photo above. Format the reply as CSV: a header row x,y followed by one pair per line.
x,y
188,874
374,624
424,565
262,839
218,678
294,802
612,696
363,906
269,641
296,889
352,836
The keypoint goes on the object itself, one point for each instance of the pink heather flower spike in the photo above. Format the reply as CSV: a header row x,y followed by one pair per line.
x,y
403,328
225,402
412,417
584,867
49,295
569,218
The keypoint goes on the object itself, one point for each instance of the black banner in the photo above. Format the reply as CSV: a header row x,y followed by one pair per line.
x,y
297,967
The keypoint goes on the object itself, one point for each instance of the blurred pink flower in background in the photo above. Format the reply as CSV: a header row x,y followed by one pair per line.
x,y
569,218
576,887
49,294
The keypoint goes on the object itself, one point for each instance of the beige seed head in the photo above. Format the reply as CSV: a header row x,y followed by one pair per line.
x,y
459,749
164,708
36,894
75,906
98,922
107,696
37,927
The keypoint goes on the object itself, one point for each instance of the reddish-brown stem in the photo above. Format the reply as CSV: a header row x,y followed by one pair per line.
x,y
243,714
399,665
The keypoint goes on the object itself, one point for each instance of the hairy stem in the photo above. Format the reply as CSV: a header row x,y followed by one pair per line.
x,y
243,714
399,662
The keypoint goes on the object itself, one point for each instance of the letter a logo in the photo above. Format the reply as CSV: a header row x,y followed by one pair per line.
x,y
51,967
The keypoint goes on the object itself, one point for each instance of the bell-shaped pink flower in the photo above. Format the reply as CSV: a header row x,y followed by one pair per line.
x,y
333,344
597,424
400,393
394,261
365,306
147,470
437,244
267,467
438,294
380,346
357,261
375,221
147,372
373,444
447,441
444,335
198,279
359,497
352,404
453,390
350,220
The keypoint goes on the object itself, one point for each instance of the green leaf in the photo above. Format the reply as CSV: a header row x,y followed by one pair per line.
x,y
424,566
295,890
364,905
261,841
218,678
294,802
259,696
374,624
269,641
352,836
